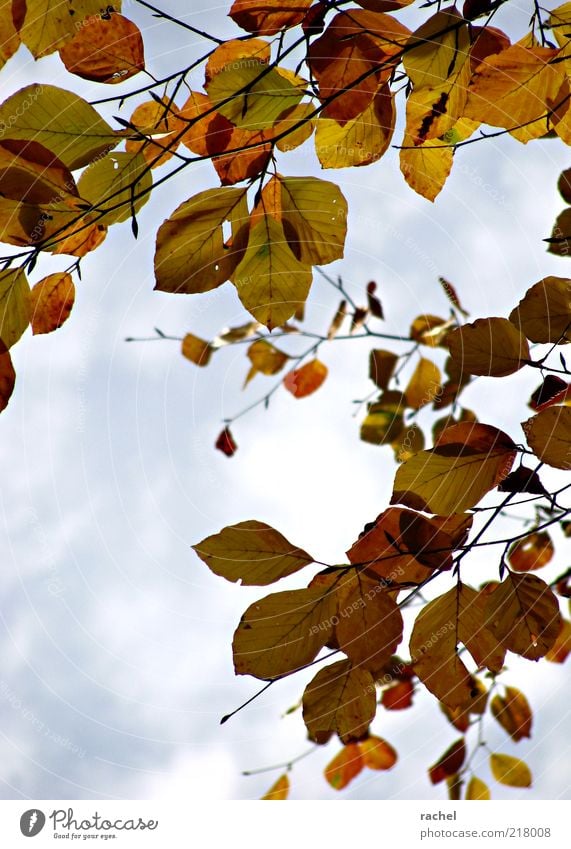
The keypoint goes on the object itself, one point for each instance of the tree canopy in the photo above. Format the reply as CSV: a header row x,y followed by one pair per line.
x,y
346,81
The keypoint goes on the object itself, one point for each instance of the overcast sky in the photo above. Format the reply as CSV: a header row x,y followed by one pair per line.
x,y
115,638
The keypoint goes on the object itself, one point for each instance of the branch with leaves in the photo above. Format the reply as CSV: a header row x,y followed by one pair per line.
x,y
330,76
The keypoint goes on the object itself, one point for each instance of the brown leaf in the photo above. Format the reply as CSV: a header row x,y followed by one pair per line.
x,y
226,443
105,50
449,763
513,713
7,376
339,700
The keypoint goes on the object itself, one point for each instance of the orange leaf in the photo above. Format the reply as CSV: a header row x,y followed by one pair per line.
x,y
305,380
561,648
265,17
347,764
398,696
279,791
196,350
105,50
513,713
532,552
50,302
7,376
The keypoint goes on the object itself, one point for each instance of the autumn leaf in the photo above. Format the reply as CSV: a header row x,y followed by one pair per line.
x,y
14,315
430,329
523,614
381,367
105,50
9,35
548,435
510,771
360,141
433,645
477,790
467,462
339,700
516,89
513,713
7,376
531,552
489,346
305,380
424,384
252,95
271,282
377,753
59,120
49,24
384,421
263,18
156,121
561,648
282,633
265,358
50,302
251,553
544,312
370,623
398,696
450,763
196,350
226,443
117,185
279,791
191,255
316,213
345,766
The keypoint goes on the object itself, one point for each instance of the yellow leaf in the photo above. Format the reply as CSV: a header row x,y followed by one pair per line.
x,y
384,420
426,167
196,350
544,312
305,380
279,791
424,385
297,124
344,767
430,329
488,346
60,121
360,141
283,632
105,50
523,614
559,22
234,50
532,552
49,24
409,443
265,358
118,184
548,435
433,649
271,282
9,36
370,623
265,18
50,302
516,89
467,462
513,713
14,316
252,553
191,255
510,771
377,753
316,211
250,95
80,238
339,700
438,49
477,789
